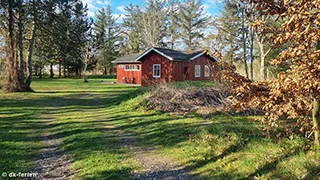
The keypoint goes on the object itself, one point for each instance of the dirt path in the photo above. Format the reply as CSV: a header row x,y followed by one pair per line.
x,y
53,164
155,166
57,165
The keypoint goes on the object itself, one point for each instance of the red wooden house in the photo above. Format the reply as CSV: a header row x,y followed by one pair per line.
x,y
164,65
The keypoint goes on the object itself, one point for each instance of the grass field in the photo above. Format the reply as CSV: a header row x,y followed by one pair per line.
x,y
90,116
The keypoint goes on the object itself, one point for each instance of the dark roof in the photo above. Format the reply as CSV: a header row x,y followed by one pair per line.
x,y
168,53
194,54
131,58
176,55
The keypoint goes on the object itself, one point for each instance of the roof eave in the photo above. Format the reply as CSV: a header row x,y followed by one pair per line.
x,y
216,59
119,62
147,52
197,56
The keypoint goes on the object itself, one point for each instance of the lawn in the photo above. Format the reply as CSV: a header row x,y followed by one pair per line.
x,y
90,118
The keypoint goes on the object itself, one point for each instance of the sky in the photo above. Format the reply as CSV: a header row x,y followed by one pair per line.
x,y
212,7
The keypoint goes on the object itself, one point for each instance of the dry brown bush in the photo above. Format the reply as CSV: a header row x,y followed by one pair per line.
x,y
201,100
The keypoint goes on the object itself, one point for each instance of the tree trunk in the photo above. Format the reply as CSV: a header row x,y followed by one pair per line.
x,y
316,121
85,78
105,71
51,70
85,62
64,68
20,41
262,62
251,52
36,71
11,82
244,38
40,72
316,112
251,42
60,68
32,41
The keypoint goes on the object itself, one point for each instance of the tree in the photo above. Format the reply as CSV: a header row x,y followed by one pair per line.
x,y
132,30
35,19
106,30
192,22
173,22
296,92
11,81
153,22
46,49
251,17
228,37
79,36
244,37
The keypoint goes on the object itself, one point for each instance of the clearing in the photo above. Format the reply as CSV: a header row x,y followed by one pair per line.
x,y
68,129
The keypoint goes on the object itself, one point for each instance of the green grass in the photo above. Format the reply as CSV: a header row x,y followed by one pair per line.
x,y
219,147
192,84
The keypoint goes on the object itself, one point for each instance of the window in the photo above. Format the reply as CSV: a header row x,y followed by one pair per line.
x,y
156,72
131,67
120,66
206,71
197,70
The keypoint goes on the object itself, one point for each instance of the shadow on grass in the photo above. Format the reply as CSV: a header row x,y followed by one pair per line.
x,y
21,126
19,139
314,172
118,174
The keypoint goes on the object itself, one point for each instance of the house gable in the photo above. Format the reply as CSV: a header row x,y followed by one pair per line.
x,y
155,50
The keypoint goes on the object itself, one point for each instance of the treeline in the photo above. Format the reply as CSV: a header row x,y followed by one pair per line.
x,y
38,33
251,50
59,34
170,24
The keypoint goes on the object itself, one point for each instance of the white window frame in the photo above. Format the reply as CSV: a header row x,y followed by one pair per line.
x,y
195,71
206,75
153,74
132,67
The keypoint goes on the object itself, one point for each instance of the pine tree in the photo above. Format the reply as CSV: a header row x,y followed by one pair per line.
x,y
173,22
132,30
79,32
106,30
19,20
228,26
46,50
192,22
153,22
11,81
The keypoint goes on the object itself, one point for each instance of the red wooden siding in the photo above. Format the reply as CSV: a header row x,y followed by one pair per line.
x,y
170,70
186,70
147,63
129,76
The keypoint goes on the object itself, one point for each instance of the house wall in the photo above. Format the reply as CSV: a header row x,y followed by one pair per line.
x,y
180,74
147,63
128,76
170,70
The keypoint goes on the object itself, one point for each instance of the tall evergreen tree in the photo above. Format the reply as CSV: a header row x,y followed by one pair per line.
x,y
173,22
153,22
18,22
228,26
106,30
79,32
192,21
46,50
11,81
132,30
